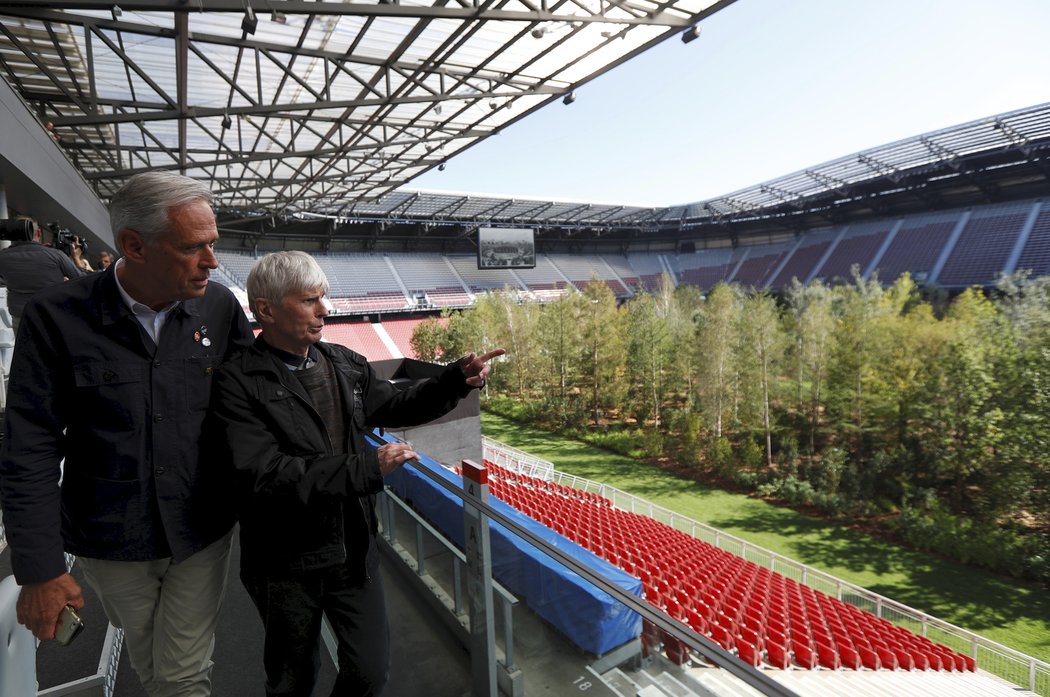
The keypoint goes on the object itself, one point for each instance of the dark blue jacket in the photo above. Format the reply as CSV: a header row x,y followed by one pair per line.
x,y
302,506
88,385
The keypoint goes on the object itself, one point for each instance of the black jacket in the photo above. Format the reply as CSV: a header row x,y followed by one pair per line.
x,y
301,506
27,267
88,385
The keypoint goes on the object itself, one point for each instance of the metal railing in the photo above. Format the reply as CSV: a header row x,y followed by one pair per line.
x,y
447,584
696,642
1002,661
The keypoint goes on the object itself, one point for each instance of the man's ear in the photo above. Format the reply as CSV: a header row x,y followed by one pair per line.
x,y
131,245
263,311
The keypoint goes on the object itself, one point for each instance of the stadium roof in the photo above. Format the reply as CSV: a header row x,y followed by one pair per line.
x,y
309,117
294,107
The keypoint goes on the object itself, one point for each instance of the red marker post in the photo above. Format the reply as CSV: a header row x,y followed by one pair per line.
x,y
479,580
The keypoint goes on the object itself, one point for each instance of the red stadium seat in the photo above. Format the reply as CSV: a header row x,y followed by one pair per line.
x,y
904,659
697,621
849,657
750,636
868,658
804,656
776,636
721,637
676,651
887,658
921,662
748,652
777,655
828,657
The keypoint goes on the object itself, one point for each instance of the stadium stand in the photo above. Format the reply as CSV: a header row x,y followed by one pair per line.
x,y
916,246
649,268
431,280
1035,256
400,332
803,261
758,262
545,282
704,268
362,337
983,246
623,270
481,280
744,607
363,282
955,249
582,269
858,245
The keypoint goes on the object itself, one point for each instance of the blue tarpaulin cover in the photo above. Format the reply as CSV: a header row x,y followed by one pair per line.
x,y
591,618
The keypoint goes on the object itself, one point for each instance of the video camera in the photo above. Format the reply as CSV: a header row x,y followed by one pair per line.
x,y
16,229
66,240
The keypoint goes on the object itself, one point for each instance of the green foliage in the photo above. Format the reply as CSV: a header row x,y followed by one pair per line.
x,y
929,525
426,339
720,455
749,454
844,396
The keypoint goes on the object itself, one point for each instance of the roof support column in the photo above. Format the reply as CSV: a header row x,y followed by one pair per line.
x,y
182,44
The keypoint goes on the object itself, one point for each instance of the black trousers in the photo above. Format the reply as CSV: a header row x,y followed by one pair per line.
x,y
291,606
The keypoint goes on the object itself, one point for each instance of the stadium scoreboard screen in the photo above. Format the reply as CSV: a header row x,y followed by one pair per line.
x,y
506,248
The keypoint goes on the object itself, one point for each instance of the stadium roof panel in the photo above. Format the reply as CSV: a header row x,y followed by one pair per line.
x,y
306,107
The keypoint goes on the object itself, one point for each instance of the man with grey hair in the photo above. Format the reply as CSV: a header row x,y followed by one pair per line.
x,y
290,414
112,373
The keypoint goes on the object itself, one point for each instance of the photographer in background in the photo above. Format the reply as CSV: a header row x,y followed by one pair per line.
x,y
28,265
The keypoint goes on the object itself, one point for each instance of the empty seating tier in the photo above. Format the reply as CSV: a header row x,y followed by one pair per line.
x,y
764,617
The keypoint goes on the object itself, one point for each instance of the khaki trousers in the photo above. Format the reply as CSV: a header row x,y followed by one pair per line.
x,y
168,612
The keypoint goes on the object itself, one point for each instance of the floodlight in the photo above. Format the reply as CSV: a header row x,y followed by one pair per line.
x,y
441,167
279,17
569,98
250,21
691,34
226,121
116,11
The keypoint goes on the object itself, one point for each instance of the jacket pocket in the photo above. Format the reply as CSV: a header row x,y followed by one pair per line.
x,y
197,374
113,392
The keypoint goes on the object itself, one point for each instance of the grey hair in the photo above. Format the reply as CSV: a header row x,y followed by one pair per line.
x,y
278,274
145,201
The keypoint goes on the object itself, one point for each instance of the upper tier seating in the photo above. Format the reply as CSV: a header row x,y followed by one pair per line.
x,y
858,246
1035,256
481,280
916,246
706,268
983,248
760,262
581,269
803,261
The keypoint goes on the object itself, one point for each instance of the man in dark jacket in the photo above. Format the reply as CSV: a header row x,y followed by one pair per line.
x,y
112,373
293,412
28,266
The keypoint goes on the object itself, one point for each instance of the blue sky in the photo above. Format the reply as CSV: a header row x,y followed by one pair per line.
x,y
769,88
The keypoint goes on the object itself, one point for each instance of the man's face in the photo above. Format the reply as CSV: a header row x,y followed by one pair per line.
x,y
105,260
297,321
178,262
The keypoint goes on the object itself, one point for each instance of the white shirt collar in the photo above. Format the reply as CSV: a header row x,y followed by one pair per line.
x,y
150,319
